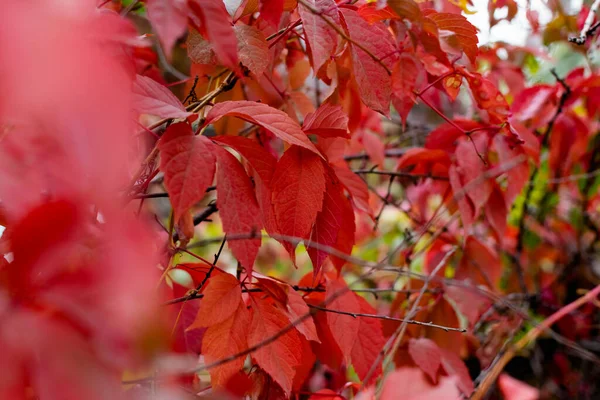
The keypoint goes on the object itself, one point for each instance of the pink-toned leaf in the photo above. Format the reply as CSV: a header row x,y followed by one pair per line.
x,y
252,48
213,22
344,328
238,208
321,38
465,206
369,342
188,164
455,367
150,97
169,19
373,80
328,121
298,188
536,103
328,223
221,299
224,340
413,385
426,354
272,119
280,358
470,167
518,176
466,33
480,263
513,389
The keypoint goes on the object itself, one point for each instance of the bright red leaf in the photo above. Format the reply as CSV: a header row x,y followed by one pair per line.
x,y
327,121
413,385
298,190
273,120
169,19
466,34
221,299
344,328
238,208
280,358
369,342
188,163
150,97
426,354
321,38
373,80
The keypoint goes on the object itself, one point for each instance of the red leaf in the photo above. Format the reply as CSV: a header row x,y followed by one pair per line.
x,y
214,23
261,160
488,97
470,168
321,38
272,119
408,9
413,385
238,208
252,48
344,328
188,164
374,82
496,211
325,394
372,13
407,74
465,206
346,235
480,263
328,223
466,33
513,389
445,136
444,314
224,340
280,358
169,19
328,351
369,342
537,103
221,299
298,189
271,10
426,354
328,121
305,368
454,366
518,176
357,188
150,97
297,308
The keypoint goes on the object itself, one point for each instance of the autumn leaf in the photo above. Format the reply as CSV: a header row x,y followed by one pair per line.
x,y
344,328
296,309
221,299
280,358
273,120
298,188
321,38
211,19
407,75
238,208
252,48
480,264
354,184
223,340
150,97
372,76
259,159
413,385
271,10
369,342
327,121
426,354
408,9
328,223
169,19
513,389
188,164
465,32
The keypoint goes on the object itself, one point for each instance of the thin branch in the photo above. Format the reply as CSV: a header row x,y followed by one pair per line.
x,y
385,317
400,174
532,335
588,30
388,153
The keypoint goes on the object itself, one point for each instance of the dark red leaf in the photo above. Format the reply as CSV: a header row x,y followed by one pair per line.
x,y
188,164
327,121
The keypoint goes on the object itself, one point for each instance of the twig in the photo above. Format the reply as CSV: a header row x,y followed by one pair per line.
x,y
532,335
400,174
385,317
588,30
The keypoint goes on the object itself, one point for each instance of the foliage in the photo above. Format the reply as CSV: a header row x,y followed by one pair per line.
x,y
352,200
